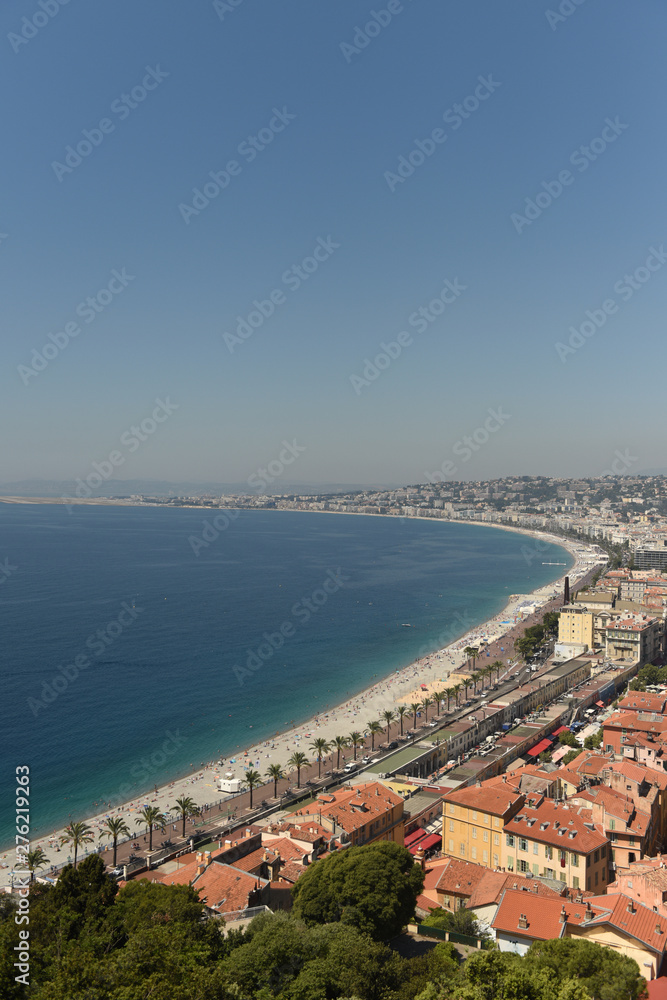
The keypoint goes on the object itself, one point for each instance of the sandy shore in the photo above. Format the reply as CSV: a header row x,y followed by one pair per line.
x,y
429,673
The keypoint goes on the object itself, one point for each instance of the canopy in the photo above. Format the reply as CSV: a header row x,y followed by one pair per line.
x,y
433,840
413,837
542,745
561,729
600,704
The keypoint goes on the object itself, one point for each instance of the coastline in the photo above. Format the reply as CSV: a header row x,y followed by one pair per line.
x,y
430,670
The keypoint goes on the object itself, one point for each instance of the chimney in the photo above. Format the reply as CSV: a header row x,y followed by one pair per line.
x,y
201,869
563,915
523,922
631,907
589,912
658,929
247,832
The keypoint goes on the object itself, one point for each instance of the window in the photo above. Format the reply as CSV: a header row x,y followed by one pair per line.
x,y
602,875
632,843
451,826
451,846
523,844
510,864
575,882
486,819
462,852
509,839
612,824
474,815
474,833
485,834
562,876
451,810
548,852
535,847
522,865
496,821
588,862
474,854
596,878
562,857
536,869
596,856
485,857
496,840
574,860
495,860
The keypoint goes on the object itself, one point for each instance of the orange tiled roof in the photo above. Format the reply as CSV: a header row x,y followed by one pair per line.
x,y
355,807
225,887
495,800
642,924
549,819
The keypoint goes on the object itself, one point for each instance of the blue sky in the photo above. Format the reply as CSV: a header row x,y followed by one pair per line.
x,y
340,105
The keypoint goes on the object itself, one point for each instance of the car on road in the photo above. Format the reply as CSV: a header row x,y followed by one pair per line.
x,y
393,745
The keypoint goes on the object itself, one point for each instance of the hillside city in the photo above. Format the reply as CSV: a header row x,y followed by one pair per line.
x,y
529,794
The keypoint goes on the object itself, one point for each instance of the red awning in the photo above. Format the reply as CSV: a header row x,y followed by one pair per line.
x,y
600,704
413,837
433,840
561,729
542,745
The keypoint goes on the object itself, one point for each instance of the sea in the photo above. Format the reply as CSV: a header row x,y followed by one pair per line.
x,y
139,642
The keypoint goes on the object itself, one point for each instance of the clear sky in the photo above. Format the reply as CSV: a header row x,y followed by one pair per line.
x,y
352,187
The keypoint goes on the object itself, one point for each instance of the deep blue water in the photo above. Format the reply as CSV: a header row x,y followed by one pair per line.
x,y
188,620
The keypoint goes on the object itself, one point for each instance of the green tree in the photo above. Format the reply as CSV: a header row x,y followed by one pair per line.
x,y
151,816
568,739
274,773
373,728
414,708
186,807
605,973
114,827
296,762
594,742
321,748
356,740
401,712
497,665
339,743
77,834
388,717
426,702
570,756
373,888
252,779
37,859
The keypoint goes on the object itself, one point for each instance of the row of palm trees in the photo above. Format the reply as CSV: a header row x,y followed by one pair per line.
x,y
77,834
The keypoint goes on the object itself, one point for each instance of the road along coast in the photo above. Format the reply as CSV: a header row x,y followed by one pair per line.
x,y
411,684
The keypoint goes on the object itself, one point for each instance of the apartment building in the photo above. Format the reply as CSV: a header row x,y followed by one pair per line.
x,y
473,820
634,638
575,628
557,840
363,814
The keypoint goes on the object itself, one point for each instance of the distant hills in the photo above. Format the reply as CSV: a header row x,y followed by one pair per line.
x,y
164,488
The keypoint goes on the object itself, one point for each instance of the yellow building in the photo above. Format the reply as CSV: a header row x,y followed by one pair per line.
x,y
473,820
575,626
555,840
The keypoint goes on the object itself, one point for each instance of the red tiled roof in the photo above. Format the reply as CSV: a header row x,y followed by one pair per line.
x,y
493,800
550,818
226,888
642,924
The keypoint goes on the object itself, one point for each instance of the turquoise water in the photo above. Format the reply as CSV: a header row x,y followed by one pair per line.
x,y
181,656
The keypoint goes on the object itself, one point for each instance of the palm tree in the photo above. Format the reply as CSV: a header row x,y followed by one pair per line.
x,y
456,689
438,698
414,706
77,834
472,653
401,712
449,694
116,827
425,705
321,747
497,665
274,773
388,717
253,780
466,685
339,743
476,676
298,760
374,728
152,816
186,807
36,859
356,740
